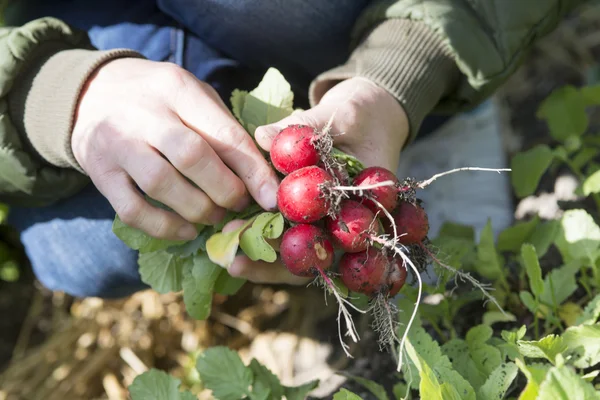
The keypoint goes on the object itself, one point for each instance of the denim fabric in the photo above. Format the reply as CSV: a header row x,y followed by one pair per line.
x,y
227,43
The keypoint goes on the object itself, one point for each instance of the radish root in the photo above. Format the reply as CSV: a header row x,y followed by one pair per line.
x,y
425,183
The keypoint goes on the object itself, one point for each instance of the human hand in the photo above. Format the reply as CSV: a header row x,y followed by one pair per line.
x,y
367,122
155,125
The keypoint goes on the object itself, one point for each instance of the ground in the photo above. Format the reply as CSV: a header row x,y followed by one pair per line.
x,y
92,349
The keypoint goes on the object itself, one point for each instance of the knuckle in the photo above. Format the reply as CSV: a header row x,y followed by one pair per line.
x,y
189,155
163,227
233,138
171,76
153,181
231,195
129,213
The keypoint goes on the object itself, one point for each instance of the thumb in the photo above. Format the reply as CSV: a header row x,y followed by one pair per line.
x,y
265,134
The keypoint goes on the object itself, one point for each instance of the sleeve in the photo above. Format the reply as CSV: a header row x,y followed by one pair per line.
x,y
43,67
443,55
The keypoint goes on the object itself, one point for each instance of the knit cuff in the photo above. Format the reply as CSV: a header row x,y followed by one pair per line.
x,y
44,99
404,57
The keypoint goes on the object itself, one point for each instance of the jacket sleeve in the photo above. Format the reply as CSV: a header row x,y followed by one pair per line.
x,y
443,55
43,67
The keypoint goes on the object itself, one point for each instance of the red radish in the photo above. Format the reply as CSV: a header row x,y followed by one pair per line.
x,y
293,148
352,227
300,198
305,250
363,272
396,276
412,224
386,195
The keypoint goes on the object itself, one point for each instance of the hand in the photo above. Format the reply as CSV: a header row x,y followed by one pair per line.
x,y
367,122
155,125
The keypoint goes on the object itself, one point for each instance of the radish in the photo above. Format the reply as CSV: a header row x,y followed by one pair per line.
x,y
396,276
387,196
300,198
412,224
352,227
306,251
293,148
363,272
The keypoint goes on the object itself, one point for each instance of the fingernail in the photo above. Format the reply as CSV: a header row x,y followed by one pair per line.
x,y
187,232
268,195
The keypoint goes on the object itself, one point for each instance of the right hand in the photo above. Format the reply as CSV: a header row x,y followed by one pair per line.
x,y
155,125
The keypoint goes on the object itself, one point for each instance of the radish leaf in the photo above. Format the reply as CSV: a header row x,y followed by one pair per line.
x,y
157,385
162,271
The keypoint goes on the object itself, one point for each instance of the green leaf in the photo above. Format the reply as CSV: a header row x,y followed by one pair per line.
x,y
591,312
514,336
591,184
253,241
228,285
222,371
162,271
584,342
446,384
238,99
543,236
270,102
498,382
564,112
489,264
199,278
562,383
265,381
492,317
376,389
514,236
426,359
533,269
581,235
3,212
535,374
473,358
300,392
401,391
222,247
345,394
137,240
591,95
563,283
193,246
157,385
528,168
584,156
548,347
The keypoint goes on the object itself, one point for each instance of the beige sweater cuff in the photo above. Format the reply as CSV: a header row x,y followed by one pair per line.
x,y
44,99
404,57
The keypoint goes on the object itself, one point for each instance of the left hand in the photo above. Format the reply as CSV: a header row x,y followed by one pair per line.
x,y
368,123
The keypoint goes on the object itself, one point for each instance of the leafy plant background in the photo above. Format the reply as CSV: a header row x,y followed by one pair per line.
x,y
544,270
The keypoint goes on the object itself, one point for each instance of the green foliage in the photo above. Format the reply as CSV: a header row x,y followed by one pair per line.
x,y
528,168
223,372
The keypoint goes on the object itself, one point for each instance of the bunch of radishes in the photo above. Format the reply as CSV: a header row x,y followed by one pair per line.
x,y
330,211
375,220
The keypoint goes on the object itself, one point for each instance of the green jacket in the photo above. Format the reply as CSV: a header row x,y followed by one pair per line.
x,y
445,55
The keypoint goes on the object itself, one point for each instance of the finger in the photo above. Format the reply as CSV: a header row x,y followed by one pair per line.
x,y
264,272
195,159
159,180
137,213
208,116
265,134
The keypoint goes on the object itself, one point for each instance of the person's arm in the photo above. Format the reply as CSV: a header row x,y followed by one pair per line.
x,y
43,67
443,55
